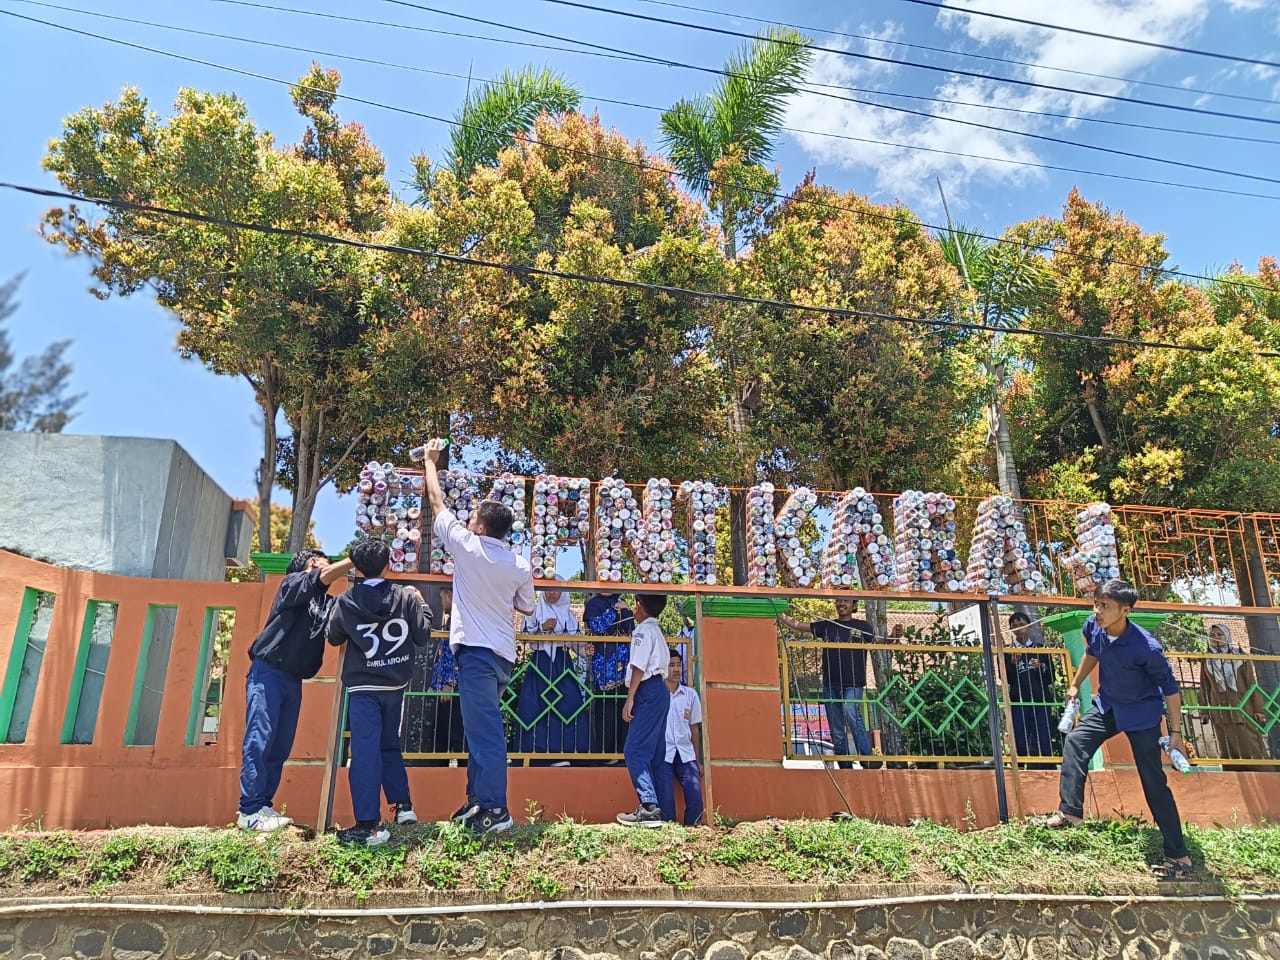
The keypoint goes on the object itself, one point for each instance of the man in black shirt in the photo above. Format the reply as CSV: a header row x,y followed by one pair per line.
x,y
844,674
289,649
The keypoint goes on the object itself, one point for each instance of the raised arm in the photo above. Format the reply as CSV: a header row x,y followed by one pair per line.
x,y
335,571
435,496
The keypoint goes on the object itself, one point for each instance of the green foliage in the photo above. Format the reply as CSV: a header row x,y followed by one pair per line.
x,y
947,713
286,315
360,869
1240,850
825,851
673,869
48,857
1183,632
542,886
496,112
33,397
236,862
493,869
579,842
119,857
746,110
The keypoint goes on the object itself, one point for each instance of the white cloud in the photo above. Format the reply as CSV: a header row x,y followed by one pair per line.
x,y
909,174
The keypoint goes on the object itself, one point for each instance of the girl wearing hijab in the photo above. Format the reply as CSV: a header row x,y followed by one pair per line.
x,y
1228,684
552,709
607,616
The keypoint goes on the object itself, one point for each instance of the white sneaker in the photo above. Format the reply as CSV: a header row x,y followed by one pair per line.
x,y
264,821
405,814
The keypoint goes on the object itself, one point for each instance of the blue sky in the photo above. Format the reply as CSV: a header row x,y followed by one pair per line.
x,y
123,354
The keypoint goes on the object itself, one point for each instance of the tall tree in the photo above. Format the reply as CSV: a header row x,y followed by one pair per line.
x,y
578,377
34,396
1006,281
285,314
857,401
719,144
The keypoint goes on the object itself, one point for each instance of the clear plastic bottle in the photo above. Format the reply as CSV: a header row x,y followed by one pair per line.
x,y
1069,715
1176,757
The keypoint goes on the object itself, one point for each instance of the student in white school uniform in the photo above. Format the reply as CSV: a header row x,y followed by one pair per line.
x,y
488,582
684,735
648,701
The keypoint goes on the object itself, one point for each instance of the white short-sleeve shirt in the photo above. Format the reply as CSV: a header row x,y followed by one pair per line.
x,y
649,651
488,582
686,710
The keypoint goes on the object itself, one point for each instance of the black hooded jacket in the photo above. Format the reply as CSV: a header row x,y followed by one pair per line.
x,y
381,623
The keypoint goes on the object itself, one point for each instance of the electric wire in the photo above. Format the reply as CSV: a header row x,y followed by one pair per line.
x,y
528,270
311,51
523,138
805,87
951,51
1174,48
855,55
867,103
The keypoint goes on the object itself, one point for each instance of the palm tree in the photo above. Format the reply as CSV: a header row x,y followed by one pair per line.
x,y
743,115
1008,281
502,109
741,118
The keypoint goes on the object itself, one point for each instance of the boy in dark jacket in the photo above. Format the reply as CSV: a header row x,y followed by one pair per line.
x,y
289,650
380,622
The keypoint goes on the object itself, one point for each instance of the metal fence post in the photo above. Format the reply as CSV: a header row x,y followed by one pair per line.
x,y
993,709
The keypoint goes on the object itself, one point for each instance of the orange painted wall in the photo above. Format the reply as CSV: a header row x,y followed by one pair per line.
x,y
108,784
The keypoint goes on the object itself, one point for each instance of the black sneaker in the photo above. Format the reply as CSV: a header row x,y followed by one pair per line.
x,y
645,815
404,813
496,820
466,811
362,836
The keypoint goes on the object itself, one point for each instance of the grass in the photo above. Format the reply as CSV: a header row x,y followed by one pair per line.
x,y
549,861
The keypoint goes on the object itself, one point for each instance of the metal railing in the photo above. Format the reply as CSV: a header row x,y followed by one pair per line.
x,y
934,700
1229,716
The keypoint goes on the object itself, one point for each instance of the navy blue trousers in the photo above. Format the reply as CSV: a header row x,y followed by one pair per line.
x,y
646,747
377,763
483,677
688,775
272,700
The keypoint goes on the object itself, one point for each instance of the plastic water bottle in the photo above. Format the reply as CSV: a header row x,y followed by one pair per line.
x,y
1069,715
1176,757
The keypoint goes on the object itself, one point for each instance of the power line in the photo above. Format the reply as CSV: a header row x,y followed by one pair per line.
x,y
1093,33
1204,168
310,51
854,55
951,51
645,58
527,270
666,169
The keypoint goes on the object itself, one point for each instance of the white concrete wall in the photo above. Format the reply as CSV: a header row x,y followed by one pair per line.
x,y
125,505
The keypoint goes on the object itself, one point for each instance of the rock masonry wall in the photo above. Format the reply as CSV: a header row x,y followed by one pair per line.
x,y
944,929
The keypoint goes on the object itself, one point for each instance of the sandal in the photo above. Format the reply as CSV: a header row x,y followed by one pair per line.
x,y
1058,821
1171,870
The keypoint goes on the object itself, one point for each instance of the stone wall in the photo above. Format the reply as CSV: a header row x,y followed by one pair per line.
x,y
969,927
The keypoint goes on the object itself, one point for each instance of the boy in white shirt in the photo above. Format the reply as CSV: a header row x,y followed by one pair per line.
x,y
680,761
489,581
648,702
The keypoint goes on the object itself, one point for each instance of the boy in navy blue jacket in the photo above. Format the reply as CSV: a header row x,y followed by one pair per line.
x,y
380,622
1136,686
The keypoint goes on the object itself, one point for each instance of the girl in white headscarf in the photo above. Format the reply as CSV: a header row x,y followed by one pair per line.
x,y
1228,686
551,711
551,615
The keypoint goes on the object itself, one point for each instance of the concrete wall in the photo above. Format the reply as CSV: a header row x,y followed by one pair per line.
x,y
124,505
